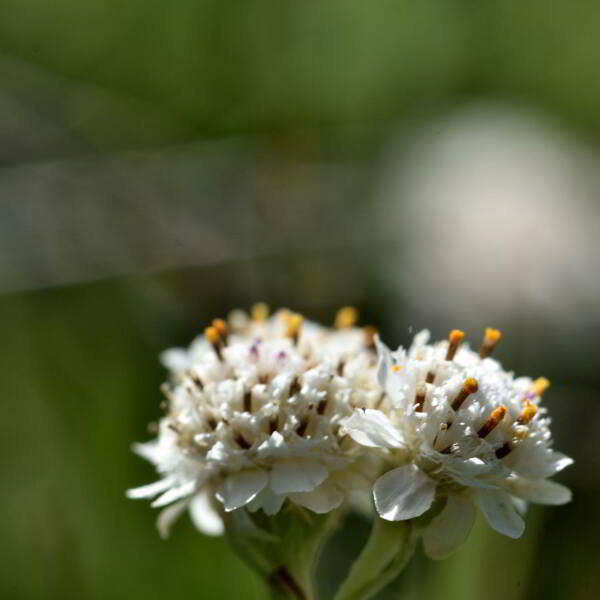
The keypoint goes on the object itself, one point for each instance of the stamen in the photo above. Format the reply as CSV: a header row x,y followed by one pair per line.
x,y
490,339
528,413
539,386
430,377
346,317
221,327
455,338
370,333
212,335
504,450
420,397
322,406
469,386
294,325
248,401
301,430
260,311
448,449
295,387
397,368
242,442
196,380
212,422
379,401
492,421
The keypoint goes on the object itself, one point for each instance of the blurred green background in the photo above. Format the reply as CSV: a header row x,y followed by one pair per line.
x,y
434,163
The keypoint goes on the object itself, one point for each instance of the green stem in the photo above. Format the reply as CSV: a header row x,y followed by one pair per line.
x,y
283,549
284,586
387,551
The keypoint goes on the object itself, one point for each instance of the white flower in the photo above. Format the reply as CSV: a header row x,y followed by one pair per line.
x,y
457,427
254,411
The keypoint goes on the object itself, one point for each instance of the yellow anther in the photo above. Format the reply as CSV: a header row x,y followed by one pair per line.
x,y
294,324
490,339
539,386
221,327
492,336
456,336
528,413
397,368
260,311
470,385
346,317
212,335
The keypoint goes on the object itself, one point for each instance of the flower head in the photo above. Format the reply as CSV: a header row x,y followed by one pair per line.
x,y
253,417
457,427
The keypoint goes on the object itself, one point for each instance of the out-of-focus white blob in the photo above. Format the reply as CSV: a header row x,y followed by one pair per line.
x,y
493,211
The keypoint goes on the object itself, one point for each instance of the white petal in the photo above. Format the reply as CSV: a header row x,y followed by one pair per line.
x,y
175,359
175,493
421,338
268,501
450,528
385,360
272,503
373,429
321,500
204,516
560,461
239,489
403,493
297,475
500,512
168,516
520,505
149,450
150,490
540,491
536,462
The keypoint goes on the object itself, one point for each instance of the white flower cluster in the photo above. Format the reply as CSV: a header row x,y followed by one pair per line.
x,y
460,429
255,407
264,410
